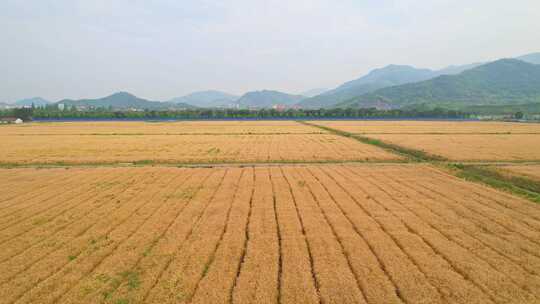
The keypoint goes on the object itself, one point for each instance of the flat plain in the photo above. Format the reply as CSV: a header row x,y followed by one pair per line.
x,y
92,149
430,127
278,234
159,128
471,147
363,226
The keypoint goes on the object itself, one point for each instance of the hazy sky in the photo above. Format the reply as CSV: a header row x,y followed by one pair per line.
x,y
166,48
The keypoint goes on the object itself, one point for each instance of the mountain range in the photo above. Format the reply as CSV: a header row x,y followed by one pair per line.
x,y
391,75
267,99
393,86
505,81
123,100
207,99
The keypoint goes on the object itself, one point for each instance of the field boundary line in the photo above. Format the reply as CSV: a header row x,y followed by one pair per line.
x,y
194,164
513,183
472,171
411,154
513,214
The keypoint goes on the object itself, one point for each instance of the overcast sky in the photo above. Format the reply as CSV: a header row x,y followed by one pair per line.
x,y
166,48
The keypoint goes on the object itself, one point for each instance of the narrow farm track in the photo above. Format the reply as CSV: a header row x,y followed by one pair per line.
x,y
264,234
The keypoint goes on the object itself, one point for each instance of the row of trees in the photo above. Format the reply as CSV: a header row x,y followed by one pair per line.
x,y
103,113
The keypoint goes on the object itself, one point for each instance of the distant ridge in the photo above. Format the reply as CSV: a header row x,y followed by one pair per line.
x,y
123,100
267,99
505,81
379,78
206,99
313,92
533,58
36,101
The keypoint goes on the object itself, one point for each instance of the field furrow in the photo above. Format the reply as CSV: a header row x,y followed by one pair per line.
x,y
178,282
157,258
374,282
22,238
454,263
36,283
76,235
122,265
298,233
336,281
517,266
298,279
258,278
217,284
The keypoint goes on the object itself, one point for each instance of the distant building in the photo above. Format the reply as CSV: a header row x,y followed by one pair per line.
x,y
61,106
10,120
279,107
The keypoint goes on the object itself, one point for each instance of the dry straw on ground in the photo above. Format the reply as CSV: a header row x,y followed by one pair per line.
x,y
287,234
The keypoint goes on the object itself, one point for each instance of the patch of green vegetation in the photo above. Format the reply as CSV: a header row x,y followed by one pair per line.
x,y
412,154
132,277
213,151
144,162
517,185
72,257
39,221
301,183
148,249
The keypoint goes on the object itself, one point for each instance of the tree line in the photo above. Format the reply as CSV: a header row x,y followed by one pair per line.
x,y
53,113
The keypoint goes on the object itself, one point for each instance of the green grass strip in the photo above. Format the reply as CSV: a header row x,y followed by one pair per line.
x,y
412,154
521,186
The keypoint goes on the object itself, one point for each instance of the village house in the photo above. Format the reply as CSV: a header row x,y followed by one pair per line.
x,y
10,120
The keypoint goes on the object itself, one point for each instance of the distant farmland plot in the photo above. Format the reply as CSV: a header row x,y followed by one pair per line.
x,y
293,234
471,147
430,127
81,149
180,127
532,171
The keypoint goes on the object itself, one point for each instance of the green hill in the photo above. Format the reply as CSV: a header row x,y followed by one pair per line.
x,y
122,101
506,81
379,78
267,99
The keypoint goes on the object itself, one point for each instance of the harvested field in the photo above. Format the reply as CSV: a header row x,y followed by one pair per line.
x,y
95,149
471,147
158,128
279,234
431,127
